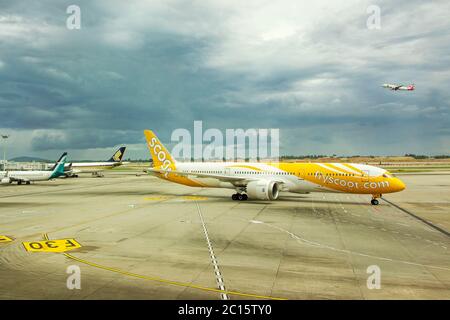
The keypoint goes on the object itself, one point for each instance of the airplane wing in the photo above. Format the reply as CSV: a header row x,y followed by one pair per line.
x,y
225,178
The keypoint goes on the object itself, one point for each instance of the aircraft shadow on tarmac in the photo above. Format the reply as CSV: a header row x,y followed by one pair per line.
x,y
210,198
282,198
318,201
19,204
117,193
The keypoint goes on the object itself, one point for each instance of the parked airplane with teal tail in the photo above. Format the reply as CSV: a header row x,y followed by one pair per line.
x,y
7,177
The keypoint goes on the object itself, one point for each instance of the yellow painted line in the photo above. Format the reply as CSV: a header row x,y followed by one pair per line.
x,y
187,198
157,198
195,198
97,219
4,239
59,245
174,283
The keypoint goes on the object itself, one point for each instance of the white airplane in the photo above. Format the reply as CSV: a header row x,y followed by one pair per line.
x,y
7,177
265,181
395,87
95,168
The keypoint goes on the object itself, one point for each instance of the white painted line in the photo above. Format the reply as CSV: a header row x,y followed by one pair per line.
x,y
219,278
403,224
329,247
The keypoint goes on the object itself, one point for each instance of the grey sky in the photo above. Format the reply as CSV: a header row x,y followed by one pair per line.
x,y
312,69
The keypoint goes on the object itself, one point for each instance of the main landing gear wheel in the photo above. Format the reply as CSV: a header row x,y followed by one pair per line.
x,y
239,197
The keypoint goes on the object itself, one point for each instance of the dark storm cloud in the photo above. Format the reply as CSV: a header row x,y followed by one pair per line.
x,y
59,140
164,64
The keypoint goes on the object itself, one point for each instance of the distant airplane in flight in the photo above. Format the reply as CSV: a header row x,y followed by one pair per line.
x,y
396,87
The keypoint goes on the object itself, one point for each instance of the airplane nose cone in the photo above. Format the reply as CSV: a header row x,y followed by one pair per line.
x,y
399,185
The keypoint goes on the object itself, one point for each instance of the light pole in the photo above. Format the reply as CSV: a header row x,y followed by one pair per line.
x,y
4,137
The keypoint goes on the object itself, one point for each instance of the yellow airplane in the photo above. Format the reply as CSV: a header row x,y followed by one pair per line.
x,y
265,181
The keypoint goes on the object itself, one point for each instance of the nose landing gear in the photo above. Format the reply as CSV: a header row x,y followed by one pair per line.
x,y
374,200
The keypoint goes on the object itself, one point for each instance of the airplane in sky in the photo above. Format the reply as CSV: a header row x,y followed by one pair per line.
x,y
265,181
395,87
7,177
95,168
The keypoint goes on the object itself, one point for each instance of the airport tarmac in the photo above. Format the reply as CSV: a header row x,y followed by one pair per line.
x,y
144,238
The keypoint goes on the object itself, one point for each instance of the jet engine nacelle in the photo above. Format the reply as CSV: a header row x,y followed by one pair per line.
x,y
263,190
5,180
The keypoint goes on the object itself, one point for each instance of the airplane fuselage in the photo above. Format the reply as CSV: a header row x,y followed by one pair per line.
x,y
27,175
91,167
265,181
395,87
294,177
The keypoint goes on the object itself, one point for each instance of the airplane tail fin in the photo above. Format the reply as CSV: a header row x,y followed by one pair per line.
x,y
58,169
118,155
160,156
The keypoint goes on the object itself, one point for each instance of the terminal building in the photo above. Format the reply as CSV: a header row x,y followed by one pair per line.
x,y
22,166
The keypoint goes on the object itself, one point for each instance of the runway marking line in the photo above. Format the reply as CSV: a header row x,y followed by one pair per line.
x,y
195,198
412,215
170,282
157,198
4,239
218,274
183,198
324,246
127,211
